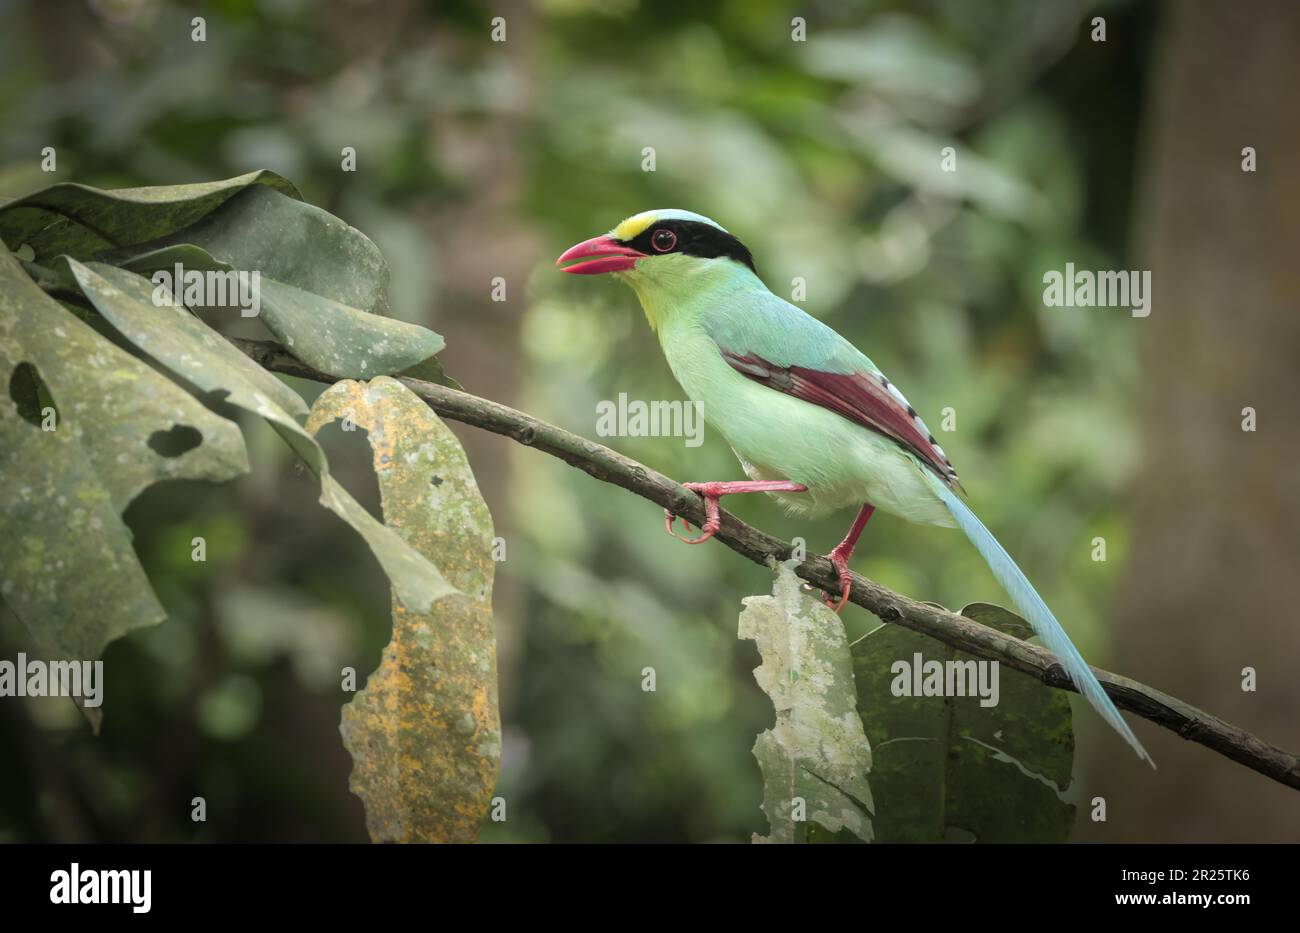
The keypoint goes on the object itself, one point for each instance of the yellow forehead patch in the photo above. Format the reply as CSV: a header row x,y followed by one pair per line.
x,y
633,226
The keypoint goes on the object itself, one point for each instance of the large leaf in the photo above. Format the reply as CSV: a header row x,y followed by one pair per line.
x,y
80,220
329,336
338,340
323,283
285,239
424,734
188,347
948,768
67,568
816,755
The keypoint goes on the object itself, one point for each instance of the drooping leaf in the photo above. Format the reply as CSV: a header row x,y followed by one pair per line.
x,y
339,340
285,239
948,768
424,734
816,757
323,284
67,567
189,348
80,220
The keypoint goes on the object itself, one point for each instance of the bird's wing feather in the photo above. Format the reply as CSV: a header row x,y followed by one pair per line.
x,y
810,361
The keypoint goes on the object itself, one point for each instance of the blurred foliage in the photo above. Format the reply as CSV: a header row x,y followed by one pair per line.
x,y
478,159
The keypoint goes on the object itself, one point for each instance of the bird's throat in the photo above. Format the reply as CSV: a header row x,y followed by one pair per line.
x,y
672,295
660,301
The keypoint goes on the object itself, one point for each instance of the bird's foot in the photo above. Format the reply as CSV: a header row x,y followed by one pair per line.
x,y
712,492
840,558
712,517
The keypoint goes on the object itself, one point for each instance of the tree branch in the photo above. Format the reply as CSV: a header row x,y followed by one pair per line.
x,y
608,466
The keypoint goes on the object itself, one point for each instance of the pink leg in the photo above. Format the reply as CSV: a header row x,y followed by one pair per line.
x,y
843,551
712,492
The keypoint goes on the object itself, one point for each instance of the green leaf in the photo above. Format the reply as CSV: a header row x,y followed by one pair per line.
x,y
323,284
425,734
67,567
288,240
192,350
816,756
80,220
431,370
948,768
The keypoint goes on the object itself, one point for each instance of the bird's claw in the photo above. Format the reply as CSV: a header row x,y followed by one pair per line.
x,y
711,493
708,530
712,517
841,564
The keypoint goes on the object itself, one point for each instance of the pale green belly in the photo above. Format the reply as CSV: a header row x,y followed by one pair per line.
x,y
777,436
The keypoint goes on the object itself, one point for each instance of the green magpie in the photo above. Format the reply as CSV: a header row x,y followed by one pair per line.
x,y
812,420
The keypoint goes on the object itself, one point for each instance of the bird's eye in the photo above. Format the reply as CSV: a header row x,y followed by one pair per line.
x,y
663,240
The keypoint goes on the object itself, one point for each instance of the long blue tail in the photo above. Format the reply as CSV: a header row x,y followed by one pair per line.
x,y
1033,608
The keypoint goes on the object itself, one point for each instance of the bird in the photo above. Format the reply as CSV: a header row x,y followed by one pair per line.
x,y
813,421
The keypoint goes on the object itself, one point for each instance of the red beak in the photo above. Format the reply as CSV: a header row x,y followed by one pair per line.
x,y
603,254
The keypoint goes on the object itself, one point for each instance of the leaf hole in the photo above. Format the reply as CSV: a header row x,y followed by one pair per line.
x,y
351,460
31,395
173,443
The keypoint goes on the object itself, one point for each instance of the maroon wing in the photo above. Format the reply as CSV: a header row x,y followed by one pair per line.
x,y
864,398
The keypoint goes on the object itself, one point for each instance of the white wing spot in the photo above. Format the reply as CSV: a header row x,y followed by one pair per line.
x,y
899,397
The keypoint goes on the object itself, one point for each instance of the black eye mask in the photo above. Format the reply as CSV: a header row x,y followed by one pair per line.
x,y
694,239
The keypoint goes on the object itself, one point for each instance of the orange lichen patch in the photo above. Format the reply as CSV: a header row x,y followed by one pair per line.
x,y
483,710
425,733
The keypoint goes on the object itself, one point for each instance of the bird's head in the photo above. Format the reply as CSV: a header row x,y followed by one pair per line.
x,y
656,247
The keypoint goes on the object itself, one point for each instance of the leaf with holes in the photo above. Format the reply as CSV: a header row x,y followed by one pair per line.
x,y
424,734
67,567
815,759
189,348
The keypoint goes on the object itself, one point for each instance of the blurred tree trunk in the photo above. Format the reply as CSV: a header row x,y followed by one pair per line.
x,y
482,239
1213,579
